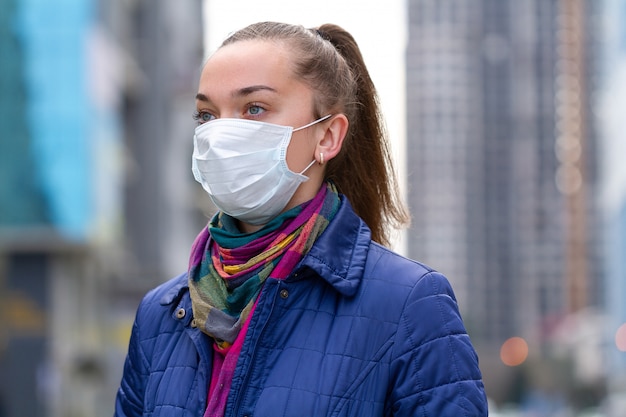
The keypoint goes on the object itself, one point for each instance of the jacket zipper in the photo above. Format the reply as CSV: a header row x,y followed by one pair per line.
x,y
238,403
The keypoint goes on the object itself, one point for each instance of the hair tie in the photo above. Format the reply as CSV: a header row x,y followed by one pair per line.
x,y
322,35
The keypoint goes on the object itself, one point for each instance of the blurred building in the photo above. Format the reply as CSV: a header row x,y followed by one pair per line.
x,y
613,95
502,157
96,204
49,187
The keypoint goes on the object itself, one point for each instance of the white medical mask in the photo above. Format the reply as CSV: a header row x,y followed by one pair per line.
x,y
242,165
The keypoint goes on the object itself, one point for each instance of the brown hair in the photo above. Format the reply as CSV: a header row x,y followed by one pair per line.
x,y
328,59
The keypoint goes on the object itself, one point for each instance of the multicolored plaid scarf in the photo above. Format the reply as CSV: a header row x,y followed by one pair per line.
x,y
227,269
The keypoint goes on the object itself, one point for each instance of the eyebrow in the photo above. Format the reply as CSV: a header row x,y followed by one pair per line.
x,y
202,97
242,92
252,89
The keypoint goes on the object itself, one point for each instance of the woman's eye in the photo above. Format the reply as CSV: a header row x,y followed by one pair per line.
x,y
255,110
203,117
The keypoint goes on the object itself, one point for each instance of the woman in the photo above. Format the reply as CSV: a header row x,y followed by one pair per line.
x,y
291,305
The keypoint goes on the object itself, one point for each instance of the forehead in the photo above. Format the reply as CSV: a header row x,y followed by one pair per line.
x,y
250,62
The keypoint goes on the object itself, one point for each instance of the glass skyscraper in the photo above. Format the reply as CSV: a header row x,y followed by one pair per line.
x,y
502,160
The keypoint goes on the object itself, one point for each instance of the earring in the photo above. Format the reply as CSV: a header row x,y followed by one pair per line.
x,y
321,158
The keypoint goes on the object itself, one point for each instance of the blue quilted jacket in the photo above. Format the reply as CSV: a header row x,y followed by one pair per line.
x,y
356,330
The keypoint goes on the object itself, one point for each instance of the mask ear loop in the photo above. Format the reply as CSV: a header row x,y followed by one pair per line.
x,y
307,167
313,122
321,154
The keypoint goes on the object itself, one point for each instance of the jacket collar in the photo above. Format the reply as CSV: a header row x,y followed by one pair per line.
x,y
338,255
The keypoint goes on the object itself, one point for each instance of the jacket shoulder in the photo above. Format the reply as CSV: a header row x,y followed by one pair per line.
x,y
166,292
432,350
385,264
162,310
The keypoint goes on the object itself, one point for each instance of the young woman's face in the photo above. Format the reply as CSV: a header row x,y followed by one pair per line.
x,y
254,80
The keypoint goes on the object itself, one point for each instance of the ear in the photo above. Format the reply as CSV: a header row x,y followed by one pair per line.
x,y
334,134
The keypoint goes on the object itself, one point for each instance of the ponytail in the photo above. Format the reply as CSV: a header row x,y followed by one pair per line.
x,y
363,170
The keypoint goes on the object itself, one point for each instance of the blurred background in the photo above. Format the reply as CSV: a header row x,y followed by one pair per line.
x,y
507,119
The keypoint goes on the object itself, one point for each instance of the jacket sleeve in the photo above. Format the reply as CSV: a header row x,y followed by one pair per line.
x,y
130,396
435,366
